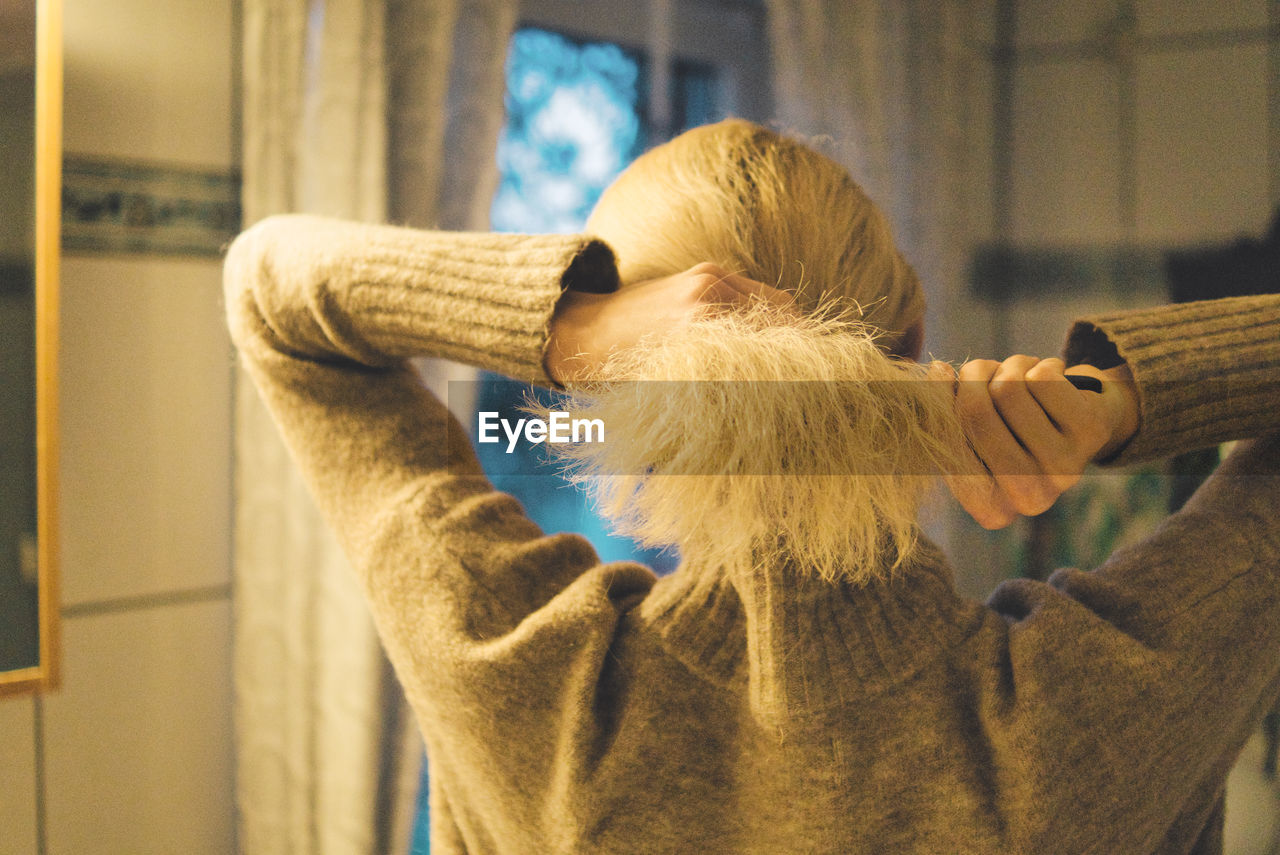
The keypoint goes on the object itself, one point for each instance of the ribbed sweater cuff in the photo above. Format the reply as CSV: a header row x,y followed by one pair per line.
x,y
1205,371
377,293
482,299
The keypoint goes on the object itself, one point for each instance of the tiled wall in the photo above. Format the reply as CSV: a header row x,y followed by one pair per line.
x,y
1137,123
133,753
1143,125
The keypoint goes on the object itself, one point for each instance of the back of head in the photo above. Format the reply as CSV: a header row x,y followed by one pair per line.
x,y
766,206
763,436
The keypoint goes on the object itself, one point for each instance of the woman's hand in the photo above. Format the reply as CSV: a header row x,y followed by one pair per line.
x,y
1031,432
585,328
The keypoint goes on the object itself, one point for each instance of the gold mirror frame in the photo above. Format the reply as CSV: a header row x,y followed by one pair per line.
x,y
48,192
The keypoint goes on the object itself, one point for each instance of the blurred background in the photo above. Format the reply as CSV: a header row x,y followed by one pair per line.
x,y
1040,159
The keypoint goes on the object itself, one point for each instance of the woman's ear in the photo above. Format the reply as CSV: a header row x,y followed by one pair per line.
x,y
911,342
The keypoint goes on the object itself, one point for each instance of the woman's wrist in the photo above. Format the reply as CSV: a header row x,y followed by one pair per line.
x,y
573,315
1121,393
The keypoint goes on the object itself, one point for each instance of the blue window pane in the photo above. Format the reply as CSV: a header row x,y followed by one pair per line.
x,y
421,842
572,124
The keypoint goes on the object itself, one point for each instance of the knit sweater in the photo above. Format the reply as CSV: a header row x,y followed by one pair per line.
x,y
570,706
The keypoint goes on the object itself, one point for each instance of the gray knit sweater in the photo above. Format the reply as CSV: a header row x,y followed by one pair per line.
x,y
573,707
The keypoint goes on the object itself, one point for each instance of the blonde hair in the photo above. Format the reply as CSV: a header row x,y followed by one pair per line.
x,y
766,206
758,437
764,436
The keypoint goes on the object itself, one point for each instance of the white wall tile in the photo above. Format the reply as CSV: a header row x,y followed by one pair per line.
x,y
1066,153
17,776
957,324
138,749
1169,17
1058,21
980,133
149,79
146,419
1037,325
1202,144
1253,804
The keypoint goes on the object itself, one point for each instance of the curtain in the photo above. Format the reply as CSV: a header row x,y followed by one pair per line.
x,y
886,83
347,112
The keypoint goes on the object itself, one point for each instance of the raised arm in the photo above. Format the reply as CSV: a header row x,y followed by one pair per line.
x,y
1204,372
493,628
1150,671
1174,379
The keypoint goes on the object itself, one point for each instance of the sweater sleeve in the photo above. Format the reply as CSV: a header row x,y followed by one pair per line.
x,y
1204,371
490,625
1120,697
1134,685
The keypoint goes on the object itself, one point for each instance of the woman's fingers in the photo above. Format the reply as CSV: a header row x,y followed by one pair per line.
x,y
1005,426
1119,402
1056,424
974,487
1079,416
1033,432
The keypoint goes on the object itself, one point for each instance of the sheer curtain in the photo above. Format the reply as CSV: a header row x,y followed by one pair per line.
x,y
349,109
